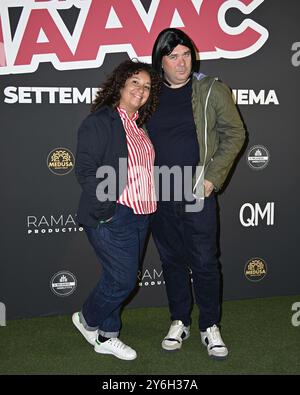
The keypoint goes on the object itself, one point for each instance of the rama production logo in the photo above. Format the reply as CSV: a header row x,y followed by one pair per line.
x,y
63,283
258,157
255,269
60,161
150,278
52,224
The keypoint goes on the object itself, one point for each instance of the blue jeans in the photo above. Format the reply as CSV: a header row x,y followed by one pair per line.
x,y
189,241
118,245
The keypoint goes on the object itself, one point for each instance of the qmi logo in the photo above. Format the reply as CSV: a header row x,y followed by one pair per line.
x,y
252,215
2,314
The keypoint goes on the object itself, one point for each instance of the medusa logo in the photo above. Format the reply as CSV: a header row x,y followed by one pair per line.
x,y
104,27
60,161
255,269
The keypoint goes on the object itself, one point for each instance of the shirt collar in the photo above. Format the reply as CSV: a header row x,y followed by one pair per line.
x,y
124,115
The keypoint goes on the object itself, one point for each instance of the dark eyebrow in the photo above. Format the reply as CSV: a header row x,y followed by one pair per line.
x,y
177,54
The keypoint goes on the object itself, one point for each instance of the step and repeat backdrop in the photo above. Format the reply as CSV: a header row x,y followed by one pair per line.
x,y
54,55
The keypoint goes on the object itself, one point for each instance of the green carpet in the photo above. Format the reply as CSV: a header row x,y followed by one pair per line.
x,y
258,332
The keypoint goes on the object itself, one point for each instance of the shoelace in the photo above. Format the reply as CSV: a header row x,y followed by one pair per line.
x,y
115,342
215,337
175,331
215,333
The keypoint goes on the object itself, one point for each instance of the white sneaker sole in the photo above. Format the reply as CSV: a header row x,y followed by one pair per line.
x,y
79,326
109,352
212,354
218,357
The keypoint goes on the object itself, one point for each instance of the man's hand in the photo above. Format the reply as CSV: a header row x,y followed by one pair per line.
x,y
208,188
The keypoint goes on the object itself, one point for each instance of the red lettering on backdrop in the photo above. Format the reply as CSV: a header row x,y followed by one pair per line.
x,y
209,36
2,48
203,28
134,33
94,34
163,19
133,30
41,19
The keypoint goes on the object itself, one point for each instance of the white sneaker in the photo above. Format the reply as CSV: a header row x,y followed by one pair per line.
x,y
116,347
90,336
176,334
212,339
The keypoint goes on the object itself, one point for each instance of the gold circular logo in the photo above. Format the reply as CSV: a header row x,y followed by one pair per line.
x,y
60,161
255,269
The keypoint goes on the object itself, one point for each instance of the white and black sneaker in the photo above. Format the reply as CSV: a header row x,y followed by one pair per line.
x,y
212,339
116,347
89,336
177,333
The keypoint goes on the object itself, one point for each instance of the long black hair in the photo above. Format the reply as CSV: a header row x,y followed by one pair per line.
x,y
166,41
110,91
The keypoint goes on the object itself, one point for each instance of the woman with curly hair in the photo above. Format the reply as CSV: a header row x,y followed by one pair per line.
x,y
114,166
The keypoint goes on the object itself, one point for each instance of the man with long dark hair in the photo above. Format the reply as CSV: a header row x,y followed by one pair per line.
x,y
196,126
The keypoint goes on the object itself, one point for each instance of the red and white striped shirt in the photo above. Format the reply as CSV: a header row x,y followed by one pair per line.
x,y
139,193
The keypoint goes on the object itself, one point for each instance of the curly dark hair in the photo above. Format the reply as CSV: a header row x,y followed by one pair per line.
x,y
109,92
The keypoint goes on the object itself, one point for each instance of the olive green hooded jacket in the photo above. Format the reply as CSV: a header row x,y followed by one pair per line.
x,y
219,128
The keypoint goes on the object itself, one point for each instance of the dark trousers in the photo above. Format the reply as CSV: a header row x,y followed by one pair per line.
x,y
118,245
189,241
